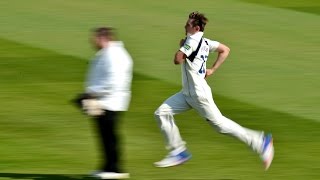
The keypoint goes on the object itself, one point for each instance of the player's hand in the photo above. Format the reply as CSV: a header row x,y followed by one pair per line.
x,y
182,41
209,72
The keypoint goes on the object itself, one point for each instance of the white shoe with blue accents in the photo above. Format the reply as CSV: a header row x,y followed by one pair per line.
x,y
174,160
267,151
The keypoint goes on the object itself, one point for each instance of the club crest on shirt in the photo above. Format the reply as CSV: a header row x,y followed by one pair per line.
x,y
186,47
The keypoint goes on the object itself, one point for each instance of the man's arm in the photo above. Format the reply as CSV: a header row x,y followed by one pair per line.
x,y
102,74
223,52
179,57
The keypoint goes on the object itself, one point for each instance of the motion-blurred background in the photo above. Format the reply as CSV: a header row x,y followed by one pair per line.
x,y
269,82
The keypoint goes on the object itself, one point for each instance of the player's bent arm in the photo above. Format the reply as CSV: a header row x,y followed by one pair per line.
x,y
179,57
223,52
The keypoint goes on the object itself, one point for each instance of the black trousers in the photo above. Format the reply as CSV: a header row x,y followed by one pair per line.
x,y
107,130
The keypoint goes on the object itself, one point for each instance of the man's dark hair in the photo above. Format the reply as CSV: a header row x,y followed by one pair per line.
x,y
198,20
106,32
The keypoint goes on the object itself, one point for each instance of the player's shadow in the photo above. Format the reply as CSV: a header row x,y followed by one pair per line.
x,y
18,176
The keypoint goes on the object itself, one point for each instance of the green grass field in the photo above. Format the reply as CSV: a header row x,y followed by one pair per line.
x,y
270,82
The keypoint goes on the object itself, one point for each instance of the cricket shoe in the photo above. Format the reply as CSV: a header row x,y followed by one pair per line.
x,y
174,160
110,175
267,151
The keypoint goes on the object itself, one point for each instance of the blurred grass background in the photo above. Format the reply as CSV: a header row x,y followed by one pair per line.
x,y
270,82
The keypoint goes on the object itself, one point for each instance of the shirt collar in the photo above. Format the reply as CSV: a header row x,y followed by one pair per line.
x,y
197,35
115,43
111,44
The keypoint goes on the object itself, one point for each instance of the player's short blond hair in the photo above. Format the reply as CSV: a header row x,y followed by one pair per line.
x,y
198,20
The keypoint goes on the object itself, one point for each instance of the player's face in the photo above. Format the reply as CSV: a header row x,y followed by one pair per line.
x,y
190,30
96,42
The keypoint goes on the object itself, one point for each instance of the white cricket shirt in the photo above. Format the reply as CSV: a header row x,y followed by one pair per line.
x,y
194,71
110,77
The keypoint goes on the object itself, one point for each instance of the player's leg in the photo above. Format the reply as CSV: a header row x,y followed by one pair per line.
x,y
208,109
164,115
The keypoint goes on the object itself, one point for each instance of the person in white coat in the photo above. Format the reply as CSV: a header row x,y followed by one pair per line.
x,y
196,93
109,85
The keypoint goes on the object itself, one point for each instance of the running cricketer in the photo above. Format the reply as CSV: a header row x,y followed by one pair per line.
x,y
196,93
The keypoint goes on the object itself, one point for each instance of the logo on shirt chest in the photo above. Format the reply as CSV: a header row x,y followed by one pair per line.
x,y
204,49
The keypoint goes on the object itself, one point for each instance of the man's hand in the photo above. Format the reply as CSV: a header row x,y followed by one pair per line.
x,y
209,72
92,107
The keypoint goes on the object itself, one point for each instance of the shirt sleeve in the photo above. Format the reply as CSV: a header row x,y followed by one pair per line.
x,y
213,45
100,76
189,46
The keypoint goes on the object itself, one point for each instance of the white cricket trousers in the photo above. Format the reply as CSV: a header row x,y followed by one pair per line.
x,y
206,107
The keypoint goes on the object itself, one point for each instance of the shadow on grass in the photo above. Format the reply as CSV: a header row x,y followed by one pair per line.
x,y
59,176
45,176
